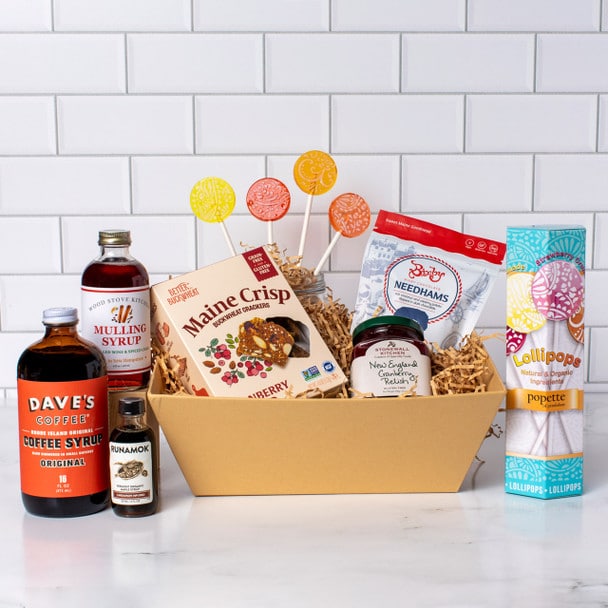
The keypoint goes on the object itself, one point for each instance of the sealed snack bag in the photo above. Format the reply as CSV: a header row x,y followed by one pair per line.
x,y
445,273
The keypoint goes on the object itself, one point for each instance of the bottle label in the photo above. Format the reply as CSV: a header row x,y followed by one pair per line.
x,y
117,321
63,437
131,473
390,368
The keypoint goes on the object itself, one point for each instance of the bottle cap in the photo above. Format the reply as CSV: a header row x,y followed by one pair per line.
x,y
131,406
60,316
114,237
414,313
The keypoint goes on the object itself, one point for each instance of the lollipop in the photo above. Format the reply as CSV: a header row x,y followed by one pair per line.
x,y
557,290
576,325
515,340
522,315
212,200
315,173
268,199
349,216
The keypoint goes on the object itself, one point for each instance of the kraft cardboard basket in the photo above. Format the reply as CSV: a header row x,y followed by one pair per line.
x,y
247,446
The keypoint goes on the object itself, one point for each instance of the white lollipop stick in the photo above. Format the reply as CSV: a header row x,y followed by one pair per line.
x,y
269,236
567,432
324,257
305,225
227,237
541,437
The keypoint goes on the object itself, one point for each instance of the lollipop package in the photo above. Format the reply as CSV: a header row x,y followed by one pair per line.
x,y
545,341
445,273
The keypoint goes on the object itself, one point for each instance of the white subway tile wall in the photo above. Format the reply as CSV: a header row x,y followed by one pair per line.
x,y
27,125
62,63
165,63
474,114
118,15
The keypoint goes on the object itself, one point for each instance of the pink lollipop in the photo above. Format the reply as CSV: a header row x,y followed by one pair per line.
x,y
557,290
268,200
515,340
350,216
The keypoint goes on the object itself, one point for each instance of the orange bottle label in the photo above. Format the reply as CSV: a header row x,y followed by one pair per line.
x,y
63,437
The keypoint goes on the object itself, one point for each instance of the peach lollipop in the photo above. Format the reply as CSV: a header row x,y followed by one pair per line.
x,y
268,200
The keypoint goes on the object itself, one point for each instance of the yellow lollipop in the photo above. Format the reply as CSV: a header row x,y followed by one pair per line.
x,y
522,315
315,172
212,200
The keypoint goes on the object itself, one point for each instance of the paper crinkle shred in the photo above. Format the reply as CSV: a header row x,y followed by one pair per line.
x,y
331,317
461,370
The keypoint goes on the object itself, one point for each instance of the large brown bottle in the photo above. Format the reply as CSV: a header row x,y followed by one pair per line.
x,y
63,421
116,311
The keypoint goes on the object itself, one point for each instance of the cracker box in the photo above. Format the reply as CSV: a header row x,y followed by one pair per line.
x,y
237,329
545,342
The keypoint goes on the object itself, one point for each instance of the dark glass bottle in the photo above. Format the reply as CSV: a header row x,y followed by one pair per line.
x,y
63,421
133,462
116,311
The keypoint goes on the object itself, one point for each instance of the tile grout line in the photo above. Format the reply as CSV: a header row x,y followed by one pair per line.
x,y
598,123
56,125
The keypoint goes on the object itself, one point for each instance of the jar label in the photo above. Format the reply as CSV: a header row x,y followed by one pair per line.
x,y
131,473
63,437
390,368
117,321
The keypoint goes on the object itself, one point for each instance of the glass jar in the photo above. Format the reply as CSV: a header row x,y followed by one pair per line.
x,y
312,293
390,357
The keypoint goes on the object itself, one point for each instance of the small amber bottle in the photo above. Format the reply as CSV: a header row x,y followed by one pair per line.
x,y
133,462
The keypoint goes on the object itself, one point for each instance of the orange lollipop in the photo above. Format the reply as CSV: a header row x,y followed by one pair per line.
x,y
268,199
315,173
350,216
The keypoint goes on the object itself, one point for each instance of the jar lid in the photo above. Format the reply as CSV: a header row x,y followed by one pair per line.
x,y
114,237
389,320
65,315
131,406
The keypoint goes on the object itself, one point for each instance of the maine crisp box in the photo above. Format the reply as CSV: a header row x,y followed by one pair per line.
x,y
237,329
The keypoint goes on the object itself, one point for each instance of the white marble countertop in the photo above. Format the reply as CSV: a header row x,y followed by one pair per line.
x,y
478,547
